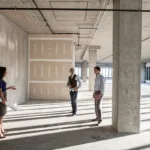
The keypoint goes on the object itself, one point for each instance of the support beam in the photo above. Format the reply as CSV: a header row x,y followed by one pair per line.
x,y
84,70
143,73
43,16
126,66
92,64
74,9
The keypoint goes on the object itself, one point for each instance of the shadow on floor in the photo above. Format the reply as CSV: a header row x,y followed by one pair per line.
x,y
57,128
28,114
53,102
61,140
145,120
143,96
50,125
140,147
81,107
55,113
48,117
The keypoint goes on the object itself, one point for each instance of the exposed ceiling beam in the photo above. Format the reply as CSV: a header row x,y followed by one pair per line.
x,y
38,9
105,58
146,39
43,16
75,9
94,47
112,55
87,28
97,24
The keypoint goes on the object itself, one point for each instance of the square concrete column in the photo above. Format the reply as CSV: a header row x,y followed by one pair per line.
x,y
84,70
92,64
126,66
143,73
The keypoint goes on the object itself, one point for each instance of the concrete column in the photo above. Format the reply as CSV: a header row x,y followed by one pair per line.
x,y
126,66
143,73
84,70
92,64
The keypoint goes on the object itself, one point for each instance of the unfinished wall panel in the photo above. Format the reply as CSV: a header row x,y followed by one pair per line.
x,y
49,71
51,49
14,55
50,58
52,91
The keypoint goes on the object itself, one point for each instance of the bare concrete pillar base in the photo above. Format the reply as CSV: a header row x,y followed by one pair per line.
x,y
126,66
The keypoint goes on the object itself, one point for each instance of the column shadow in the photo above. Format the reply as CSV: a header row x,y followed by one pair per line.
x,y
61,140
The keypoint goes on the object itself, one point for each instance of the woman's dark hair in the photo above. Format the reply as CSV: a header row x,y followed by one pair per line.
x,y
2,72
97,68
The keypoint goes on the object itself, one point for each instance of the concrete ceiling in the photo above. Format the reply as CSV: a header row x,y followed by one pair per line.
x,y
103,36
95,27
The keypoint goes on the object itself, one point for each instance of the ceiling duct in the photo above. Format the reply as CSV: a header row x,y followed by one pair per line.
x,y
94,47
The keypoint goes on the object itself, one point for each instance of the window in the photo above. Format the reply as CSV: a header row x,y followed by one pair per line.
x,y
106,72
147,77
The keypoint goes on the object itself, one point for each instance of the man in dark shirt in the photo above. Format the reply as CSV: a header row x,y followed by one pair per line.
x,y
72,83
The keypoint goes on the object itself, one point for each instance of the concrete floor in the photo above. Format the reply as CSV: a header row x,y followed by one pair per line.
x,y
45,125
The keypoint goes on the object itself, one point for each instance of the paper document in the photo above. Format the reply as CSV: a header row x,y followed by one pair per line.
x,y
71,90
10,106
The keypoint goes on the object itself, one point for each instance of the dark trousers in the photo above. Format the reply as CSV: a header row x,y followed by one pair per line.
x,y
73,97
98,109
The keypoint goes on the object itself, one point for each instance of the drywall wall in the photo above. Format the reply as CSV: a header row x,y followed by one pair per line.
x,y
14,55
51,57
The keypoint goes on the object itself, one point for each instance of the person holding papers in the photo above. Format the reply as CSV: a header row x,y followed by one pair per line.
x,y
3,98
74,83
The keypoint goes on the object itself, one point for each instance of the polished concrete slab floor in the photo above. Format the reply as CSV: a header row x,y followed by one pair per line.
x,y
48,125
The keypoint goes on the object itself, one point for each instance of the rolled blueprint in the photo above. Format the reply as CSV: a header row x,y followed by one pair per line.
x,y
10,106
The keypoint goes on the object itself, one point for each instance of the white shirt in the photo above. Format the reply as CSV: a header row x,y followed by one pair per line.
x,y
99,83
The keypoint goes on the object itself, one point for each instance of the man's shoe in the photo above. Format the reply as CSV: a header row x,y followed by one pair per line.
x,y
74,114
96,119
99,121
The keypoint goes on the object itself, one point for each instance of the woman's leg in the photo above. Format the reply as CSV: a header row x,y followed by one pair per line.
x,y
2,129
1,134
0,125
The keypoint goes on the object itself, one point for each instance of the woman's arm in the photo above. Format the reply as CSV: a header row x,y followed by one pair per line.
x,y
11,88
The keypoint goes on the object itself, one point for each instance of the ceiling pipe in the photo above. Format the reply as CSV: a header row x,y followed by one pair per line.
x,y
97,24
105,58
42,16
87,28
74,9
146,39
50,27
112,55
67,9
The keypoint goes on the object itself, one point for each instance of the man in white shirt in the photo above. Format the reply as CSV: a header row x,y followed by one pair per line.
x,y
74,83
99,87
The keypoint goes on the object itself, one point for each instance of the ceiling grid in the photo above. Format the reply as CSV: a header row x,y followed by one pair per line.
x,y
92,29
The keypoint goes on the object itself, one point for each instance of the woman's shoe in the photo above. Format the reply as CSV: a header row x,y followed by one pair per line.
x,y
4,132
2,136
